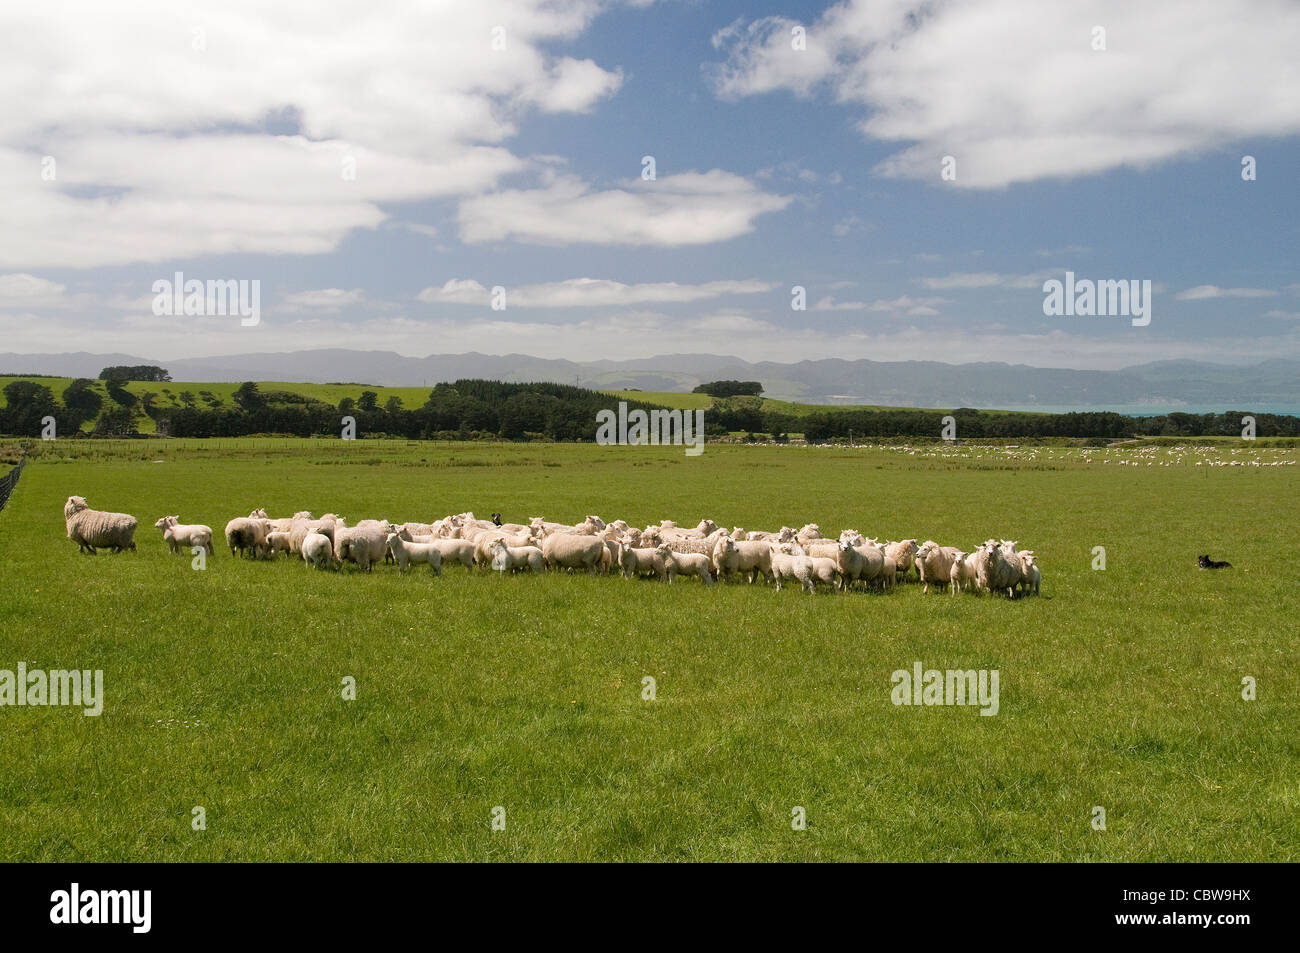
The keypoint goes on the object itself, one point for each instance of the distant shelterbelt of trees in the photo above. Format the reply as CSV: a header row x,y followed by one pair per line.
x,y
730,389
479,409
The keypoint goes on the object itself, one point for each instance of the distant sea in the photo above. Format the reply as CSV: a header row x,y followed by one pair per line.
x,y
1153,410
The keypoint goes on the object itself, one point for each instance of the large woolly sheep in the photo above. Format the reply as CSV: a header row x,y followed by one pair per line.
x,y
995,571
634,561
934,564
572,551
859,562
514,558
904,553
360,544
685,564
96,528
809,532
247,535
183,536
318,550
751,558
407,553
789,563
692,545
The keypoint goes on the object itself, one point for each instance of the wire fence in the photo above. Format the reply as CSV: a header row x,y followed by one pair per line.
x,y
9,481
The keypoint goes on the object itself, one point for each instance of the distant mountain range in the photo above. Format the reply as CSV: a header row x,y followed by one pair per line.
x,y
1170,384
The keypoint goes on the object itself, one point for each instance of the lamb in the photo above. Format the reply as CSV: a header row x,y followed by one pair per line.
x,y
686,564
405,553
182,536
277,542
963,574
786,535
452,550
514,558
788,563
742,556
639,561
247,535
934,564
1031,577
96,528
318,550
572,551
360,544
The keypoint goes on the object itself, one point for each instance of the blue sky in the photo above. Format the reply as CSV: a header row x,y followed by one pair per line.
x,y
205,139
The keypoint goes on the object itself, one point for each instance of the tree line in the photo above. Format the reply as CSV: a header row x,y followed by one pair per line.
x,y
480,409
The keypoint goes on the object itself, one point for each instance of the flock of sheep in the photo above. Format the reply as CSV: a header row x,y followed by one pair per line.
x,y
803,557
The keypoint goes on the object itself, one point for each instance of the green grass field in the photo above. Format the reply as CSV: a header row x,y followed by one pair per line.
x,y
1120,688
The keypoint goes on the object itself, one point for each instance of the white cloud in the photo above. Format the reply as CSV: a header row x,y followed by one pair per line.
x,y
323,300
25,288
689,208
967,279
160,119
592,293
1201,292
1016,98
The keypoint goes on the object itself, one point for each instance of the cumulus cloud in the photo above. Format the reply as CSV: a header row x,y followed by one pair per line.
x,y
592,293
690,208
1017,98
161,132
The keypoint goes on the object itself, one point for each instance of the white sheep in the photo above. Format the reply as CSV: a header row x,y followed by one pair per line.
x,y
96,528
318,550
507,558
964,572
405,553
572,551
636,561
360,544
452,550
685,564
904,553
788,562
1030,575
247,535
277,542
751,558
934,564
183,536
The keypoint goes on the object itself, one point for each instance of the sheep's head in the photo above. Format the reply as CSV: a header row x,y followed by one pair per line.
x,y
787,533
726,545
167,521
497,547
738,533
258,514
663,549
75,504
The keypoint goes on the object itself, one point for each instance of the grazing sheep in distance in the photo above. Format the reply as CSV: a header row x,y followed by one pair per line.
x,y
507,558
96,528
405,553
686,564
179,536
318,550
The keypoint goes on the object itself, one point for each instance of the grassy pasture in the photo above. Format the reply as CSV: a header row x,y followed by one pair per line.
x,y
1119,688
